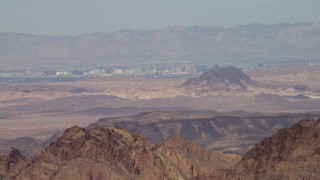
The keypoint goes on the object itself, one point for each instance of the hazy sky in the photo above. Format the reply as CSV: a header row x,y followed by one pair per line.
x,y
72,17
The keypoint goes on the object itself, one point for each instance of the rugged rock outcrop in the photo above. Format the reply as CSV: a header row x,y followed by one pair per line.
x,y
194,160
292,153
10,162
114,153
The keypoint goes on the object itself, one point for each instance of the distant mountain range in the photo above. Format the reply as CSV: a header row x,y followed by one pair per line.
x,y
253,43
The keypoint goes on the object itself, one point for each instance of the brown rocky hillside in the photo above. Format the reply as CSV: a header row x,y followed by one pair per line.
x,y
114,153
292,153
9,163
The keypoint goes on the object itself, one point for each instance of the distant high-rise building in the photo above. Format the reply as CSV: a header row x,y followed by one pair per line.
x,y
188,68
216,66
201,69
118,71
62,73
109,70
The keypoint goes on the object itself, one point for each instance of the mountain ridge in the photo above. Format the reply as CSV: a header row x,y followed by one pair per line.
x,y
238,44
115,153
211,130
289,153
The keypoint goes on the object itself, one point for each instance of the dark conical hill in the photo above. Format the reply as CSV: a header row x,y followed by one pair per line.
x,y
222,78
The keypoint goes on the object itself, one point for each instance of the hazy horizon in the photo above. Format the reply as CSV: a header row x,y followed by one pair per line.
x,y
156,28
61,18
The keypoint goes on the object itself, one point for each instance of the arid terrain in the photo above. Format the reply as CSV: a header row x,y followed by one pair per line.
x,y
250,104
115,153
161,90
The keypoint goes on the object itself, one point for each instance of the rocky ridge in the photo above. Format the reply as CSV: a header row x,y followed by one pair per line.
x,y
291,153
114,153
225,133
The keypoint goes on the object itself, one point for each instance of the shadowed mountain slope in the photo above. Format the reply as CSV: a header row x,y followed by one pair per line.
x,y
27,145
225,133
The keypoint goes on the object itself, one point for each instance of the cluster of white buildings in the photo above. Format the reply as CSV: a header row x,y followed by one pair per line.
x,y
111,71
152,71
